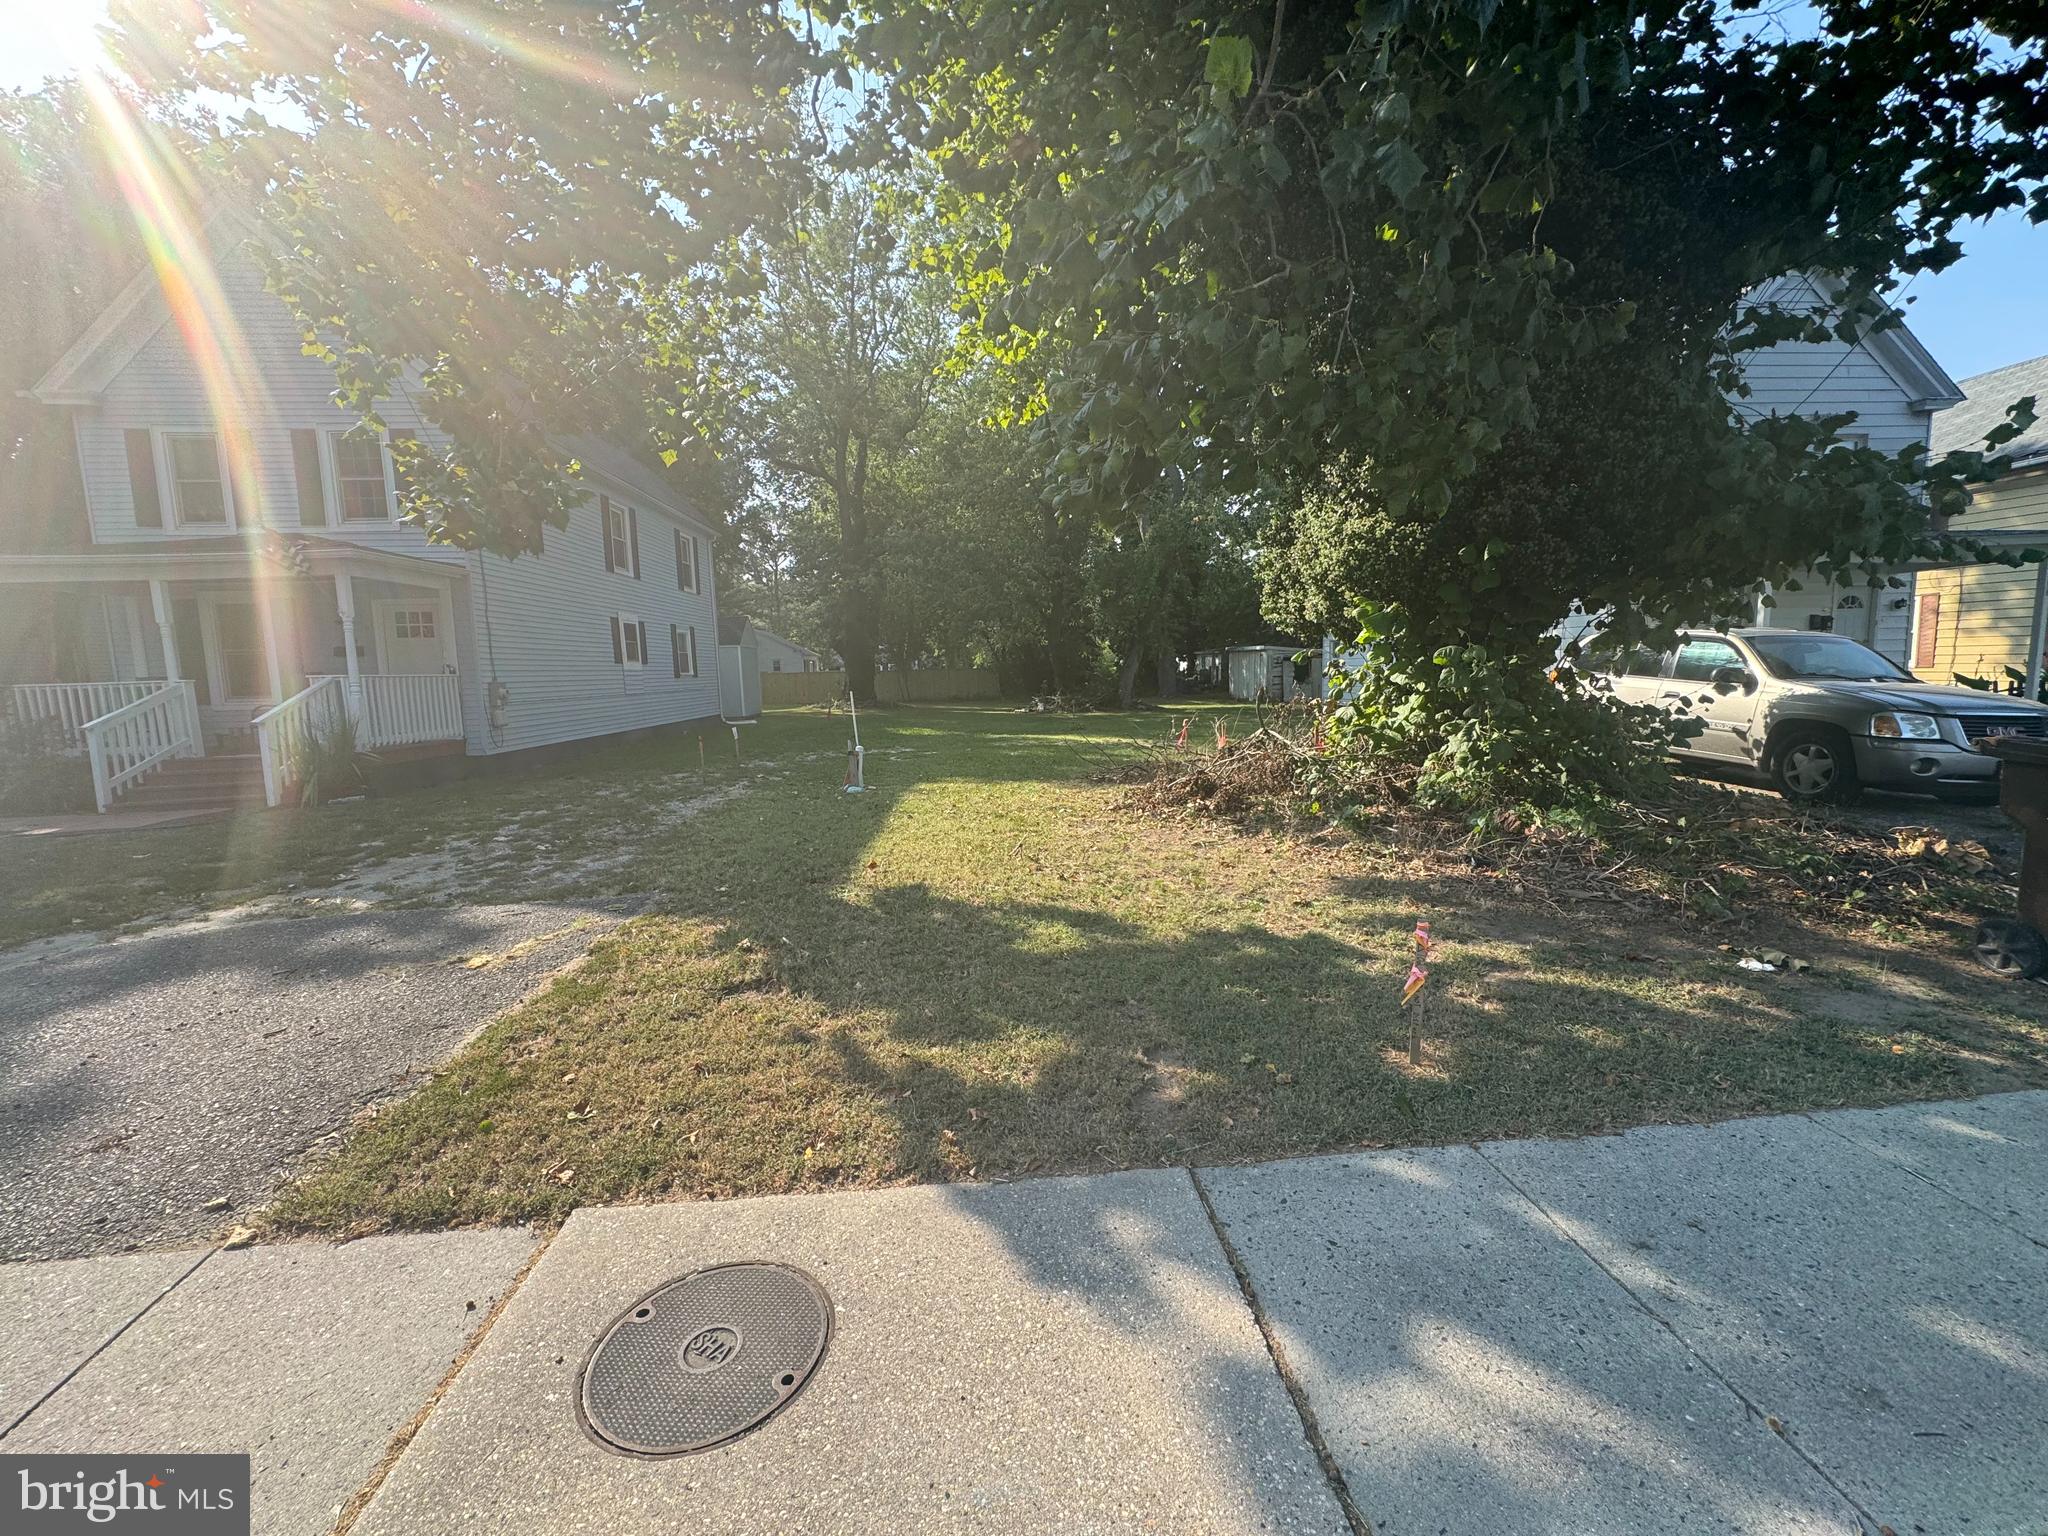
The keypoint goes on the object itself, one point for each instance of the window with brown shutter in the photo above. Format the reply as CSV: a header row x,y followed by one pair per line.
x,y
149,507
686,561
306,471
1927,630
604,532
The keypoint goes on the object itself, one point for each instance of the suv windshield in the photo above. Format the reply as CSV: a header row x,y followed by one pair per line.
x,y
1824,658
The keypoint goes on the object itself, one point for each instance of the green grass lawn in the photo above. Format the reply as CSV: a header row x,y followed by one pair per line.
x,y
985,967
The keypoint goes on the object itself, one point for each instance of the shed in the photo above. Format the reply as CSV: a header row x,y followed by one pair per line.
x,y
739,669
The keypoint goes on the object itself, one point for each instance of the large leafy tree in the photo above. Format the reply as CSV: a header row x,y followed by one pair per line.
x,y
67,247
1465,285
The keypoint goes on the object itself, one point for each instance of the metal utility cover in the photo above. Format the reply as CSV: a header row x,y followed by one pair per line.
x,y
702,1360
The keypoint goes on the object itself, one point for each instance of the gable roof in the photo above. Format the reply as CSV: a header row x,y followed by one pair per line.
x,y
1987,396
127,325
601,457
1895,349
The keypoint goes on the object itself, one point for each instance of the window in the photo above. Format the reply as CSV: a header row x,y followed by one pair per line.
x,y
1698,659
686,561
629,641
682,645
412,623
620,526
359,484
199,490
778,665
1824,658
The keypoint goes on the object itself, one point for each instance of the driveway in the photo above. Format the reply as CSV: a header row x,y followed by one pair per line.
x,y
145,1078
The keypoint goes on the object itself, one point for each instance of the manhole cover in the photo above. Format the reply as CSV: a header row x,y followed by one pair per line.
x,y
703,1359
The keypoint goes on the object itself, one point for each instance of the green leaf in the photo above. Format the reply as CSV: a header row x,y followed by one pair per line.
x,y
1401,168
1229,66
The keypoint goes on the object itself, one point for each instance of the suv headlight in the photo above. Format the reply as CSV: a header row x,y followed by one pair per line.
x,y
1906,727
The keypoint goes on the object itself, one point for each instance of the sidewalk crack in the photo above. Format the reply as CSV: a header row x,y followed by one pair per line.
x,y
1297,1394
107,1343
1870,1521
1964,1201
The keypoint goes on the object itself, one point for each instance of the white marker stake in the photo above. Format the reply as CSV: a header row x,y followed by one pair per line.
x,y
854,783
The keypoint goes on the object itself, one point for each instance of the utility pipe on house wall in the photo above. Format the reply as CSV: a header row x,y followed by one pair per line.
x,y
2037,631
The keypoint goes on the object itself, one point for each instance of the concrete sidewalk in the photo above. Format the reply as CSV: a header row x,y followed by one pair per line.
x,y
1826,1323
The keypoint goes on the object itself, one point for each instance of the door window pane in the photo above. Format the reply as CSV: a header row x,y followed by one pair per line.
x,y
196,487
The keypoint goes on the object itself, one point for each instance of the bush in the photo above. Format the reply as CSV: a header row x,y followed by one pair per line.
x,y
37,776
327,764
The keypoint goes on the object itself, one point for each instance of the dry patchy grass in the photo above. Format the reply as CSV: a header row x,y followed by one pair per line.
x,y
987,967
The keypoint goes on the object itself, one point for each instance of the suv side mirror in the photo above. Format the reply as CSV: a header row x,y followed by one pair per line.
x,y
1733,677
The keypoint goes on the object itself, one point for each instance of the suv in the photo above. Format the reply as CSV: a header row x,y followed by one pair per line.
x,y
1822,716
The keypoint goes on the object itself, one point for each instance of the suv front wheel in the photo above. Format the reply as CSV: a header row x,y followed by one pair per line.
x,y
1815,766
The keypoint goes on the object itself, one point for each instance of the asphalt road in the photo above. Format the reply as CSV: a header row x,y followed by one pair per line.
x,y
141,1079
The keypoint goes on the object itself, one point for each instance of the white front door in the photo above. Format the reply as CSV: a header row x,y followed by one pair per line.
x,y
409,637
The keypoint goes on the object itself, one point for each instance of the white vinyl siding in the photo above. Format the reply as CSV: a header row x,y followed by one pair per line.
x,y
161,389
1826,379
550,626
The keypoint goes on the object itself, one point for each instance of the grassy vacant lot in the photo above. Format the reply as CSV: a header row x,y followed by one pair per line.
x,y
986,967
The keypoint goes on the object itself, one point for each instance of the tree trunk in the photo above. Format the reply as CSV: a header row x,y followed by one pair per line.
x,y
1127,677
1167,674
856,582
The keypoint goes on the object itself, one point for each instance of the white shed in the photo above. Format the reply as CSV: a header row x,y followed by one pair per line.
x,y
1267,671
739,670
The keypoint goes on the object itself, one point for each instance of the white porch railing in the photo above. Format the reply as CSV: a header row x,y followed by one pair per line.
x,y
128,742
404,709
304,717
74,705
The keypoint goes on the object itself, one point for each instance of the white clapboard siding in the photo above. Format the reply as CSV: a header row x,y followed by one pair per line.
x,y
550,630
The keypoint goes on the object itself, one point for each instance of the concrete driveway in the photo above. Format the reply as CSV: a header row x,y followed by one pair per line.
x,y
144,1077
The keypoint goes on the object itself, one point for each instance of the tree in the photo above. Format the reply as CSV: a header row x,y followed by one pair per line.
x,y
67,246
841,346
1410,270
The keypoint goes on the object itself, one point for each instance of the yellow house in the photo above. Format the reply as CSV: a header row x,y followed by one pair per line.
x,y
1977,621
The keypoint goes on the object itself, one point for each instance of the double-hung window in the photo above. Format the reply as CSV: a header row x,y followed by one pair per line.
x,y
629,641
199,486
682,645
686,561
361,486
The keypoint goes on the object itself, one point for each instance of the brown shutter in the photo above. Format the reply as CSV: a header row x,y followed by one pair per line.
x,y
633,539
675,649
149,507
690,542
401,480
306,468
604,530
682,573
618,642
641,625
1927,630
693,650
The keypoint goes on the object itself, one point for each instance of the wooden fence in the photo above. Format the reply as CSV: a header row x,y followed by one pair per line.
x,y
781,690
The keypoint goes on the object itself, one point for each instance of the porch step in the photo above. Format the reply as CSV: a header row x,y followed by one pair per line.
x,y
231,782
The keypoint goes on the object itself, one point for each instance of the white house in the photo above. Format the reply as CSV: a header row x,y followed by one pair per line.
x,y
1895,387
779,655
240,577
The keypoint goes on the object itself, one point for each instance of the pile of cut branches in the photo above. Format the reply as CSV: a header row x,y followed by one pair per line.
x,y
1710,851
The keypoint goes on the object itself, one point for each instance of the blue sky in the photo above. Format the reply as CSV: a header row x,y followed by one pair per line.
x,y
1989,309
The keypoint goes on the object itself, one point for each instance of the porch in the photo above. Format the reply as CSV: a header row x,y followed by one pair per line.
x,y
242,656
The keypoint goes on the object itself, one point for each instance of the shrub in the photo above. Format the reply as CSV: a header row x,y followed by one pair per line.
x,y
38,777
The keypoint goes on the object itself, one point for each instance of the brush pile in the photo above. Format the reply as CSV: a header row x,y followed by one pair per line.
x,y
1716,852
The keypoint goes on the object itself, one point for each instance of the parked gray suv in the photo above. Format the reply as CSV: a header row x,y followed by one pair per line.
x,y
1822,716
